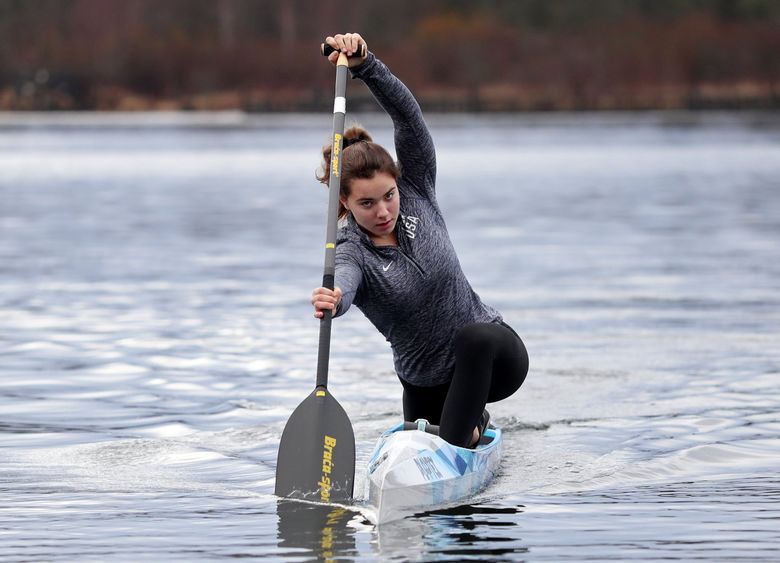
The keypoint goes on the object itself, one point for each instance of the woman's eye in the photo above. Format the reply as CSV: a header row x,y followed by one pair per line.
x,y
389,196
366,204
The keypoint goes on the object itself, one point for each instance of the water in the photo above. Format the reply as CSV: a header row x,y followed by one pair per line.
x,y
155,273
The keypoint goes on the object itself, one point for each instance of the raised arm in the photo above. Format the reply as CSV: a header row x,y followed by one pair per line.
x,y
413,142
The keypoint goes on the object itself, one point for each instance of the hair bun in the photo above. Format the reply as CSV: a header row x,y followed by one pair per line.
x,y
355,134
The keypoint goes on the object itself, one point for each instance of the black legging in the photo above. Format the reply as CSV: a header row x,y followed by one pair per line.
x,y
491,363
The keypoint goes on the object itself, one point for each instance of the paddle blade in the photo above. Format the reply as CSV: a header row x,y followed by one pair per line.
x,y
317,452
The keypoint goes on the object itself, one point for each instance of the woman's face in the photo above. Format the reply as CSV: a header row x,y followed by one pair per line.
x,y
374,203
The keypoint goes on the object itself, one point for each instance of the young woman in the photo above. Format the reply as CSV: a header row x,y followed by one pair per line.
x,y
395,262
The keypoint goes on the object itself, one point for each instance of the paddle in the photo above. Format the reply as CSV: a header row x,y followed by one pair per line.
x,y
316,458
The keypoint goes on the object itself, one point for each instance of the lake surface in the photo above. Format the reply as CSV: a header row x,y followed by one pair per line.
x,y
156,334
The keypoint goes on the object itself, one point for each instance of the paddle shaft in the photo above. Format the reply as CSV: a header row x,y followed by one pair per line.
x,y
334,187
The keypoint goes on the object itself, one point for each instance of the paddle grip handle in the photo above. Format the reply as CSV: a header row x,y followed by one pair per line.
x,y
326,50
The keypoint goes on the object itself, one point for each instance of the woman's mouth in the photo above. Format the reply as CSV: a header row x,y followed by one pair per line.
x,y
385,225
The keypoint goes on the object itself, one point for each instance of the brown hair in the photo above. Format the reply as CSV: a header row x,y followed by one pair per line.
x,y
361,157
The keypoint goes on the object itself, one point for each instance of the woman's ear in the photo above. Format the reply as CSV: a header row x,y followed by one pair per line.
x,y
343,201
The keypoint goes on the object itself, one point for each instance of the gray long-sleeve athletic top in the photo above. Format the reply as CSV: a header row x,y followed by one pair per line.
x,y
415,293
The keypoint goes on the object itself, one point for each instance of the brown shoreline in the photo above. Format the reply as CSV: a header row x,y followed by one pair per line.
x,y
489,98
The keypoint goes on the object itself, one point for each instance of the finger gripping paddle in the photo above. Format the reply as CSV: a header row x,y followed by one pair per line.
x,y
326,50
316,458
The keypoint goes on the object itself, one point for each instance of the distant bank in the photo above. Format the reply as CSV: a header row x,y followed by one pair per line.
x,y
489,98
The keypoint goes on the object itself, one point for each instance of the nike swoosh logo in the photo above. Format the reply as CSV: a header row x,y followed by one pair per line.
x,y
385,268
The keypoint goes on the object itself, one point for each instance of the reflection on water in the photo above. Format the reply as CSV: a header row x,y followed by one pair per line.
x,y
324,533
315,531
155,335
481,532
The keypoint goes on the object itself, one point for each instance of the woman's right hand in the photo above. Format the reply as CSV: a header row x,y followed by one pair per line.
x,y
323,298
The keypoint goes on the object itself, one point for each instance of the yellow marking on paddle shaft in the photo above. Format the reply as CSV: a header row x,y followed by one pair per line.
x,y
330,245
327,467
334,160
320,393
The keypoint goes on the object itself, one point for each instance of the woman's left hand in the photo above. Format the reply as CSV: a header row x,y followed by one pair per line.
x,y
347,43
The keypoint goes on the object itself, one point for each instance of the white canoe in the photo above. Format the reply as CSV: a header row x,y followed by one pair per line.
x,y
413,471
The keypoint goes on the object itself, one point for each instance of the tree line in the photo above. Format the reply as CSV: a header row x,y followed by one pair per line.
x,y
472,55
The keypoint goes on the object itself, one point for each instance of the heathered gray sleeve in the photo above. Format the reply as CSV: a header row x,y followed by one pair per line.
x,y
413,142
349,272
